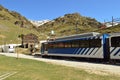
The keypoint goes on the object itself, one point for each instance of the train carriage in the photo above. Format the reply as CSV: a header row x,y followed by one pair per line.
x,y
114,42
90,45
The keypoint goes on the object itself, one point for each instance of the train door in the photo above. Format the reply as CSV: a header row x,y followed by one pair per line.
x,y
44,49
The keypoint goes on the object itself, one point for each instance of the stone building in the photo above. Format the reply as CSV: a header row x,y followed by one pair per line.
x,y
30,40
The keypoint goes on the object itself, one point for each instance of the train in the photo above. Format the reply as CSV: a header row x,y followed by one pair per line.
x,y
92,46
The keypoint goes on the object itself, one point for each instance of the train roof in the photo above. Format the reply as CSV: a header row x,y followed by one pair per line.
x,y
84,36
91,34
114,34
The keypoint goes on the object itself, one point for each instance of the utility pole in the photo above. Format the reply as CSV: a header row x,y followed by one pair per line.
x,y
112,21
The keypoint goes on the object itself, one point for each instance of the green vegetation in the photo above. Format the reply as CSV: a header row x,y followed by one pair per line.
x,y
110,30
36,70
13,24
67,25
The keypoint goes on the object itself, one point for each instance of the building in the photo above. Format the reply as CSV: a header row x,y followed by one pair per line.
x,y
30,40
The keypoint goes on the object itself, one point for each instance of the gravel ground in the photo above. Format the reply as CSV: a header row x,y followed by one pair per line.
x,y
102,69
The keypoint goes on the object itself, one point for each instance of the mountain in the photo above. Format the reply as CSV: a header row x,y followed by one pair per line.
x,y
70,24
39,23
74,23
13,24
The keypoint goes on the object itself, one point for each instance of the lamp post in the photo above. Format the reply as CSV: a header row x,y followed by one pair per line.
x,y
17,47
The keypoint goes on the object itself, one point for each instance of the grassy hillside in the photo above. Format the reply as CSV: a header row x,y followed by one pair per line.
x,y
13,24
70,24
113,29
74,23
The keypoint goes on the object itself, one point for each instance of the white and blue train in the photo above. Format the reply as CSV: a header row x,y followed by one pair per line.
x,y
92,45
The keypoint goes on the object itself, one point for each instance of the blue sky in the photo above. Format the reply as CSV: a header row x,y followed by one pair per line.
x,y
50,9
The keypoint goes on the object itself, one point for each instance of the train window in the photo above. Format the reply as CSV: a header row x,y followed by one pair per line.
x,y
95,43
58,45
50,45
67,44
75,43
61,45
115,41
84,43
55,45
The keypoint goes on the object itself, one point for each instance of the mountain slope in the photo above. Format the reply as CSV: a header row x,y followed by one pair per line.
x,y
13,24
70,24
113,29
